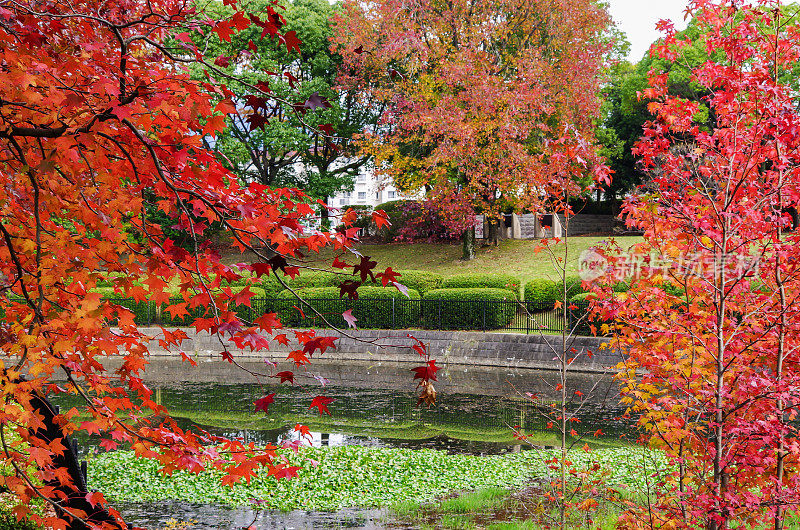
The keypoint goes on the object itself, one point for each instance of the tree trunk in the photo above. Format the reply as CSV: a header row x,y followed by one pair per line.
x,y
494,229
324,219
64,495
468,240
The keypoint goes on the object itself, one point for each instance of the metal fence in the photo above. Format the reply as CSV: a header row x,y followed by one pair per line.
x,y
370,313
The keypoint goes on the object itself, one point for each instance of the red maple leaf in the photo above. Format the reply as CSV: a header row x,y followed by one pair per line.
x,y
339,264
364,268
303,430
418,346
257,120
261,269
349,287
284,471
291,41
319,343
223,61
426,372
388,276
263,403
224,29
321,402
268,322
381,219
298,356
285,376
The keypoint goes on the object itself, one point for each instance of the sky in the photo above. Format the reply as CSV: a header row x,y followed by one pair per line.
x,y
637,19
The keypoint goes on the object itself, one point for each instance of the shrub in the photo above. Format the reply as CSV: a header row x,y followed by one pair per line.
x,y
541,294
578,307
622,286
483,281
147,312
398,216
420,281
574,286
674,289
314,279
477,308
376,307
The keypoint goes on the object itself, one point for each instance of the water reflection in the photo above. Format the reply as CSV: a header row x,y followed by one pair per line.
x,y
476,410
156,515
374,405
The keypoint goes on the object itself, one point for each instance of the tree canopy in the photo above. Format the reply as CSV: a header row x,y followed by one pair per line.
x,y
283,151
100,120
480,94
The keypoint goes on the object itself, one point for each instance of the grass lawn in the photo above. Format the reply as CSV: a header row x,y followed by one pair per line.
x,y
512,256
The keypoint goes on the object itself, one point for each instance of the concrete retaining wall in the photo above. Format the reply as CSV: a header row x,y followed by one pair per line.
x,y
507,350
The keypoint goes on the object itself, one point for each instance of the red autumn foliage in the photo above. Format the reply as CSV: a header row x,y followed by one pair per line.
x,y
100,120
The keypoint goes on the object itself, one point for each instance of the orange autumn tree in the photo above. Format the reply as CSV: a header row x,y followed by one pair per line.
x,y
482,94
99,123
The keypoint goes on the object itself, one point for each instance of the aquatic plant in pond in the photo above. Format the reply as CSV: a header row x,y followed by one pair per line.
x,y
339,477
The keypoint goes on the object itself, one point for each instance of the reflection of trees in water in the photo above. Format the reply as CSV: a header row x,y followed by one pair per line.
x,y
460,421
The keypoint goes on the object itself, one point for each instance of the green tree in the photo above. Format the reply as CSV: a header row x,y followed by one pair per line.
x,y
271,145
626,105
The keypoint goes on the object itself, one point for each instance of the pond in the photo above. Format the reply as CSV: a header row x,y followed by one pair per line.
x,y
374,405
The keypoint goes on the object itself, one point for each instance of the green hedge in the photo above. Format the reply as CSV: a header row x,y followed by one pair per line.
x,y
420,281
483,281
574,286
674,289
376,307
314,279
622,286
468,308
541,294
147,312
579,306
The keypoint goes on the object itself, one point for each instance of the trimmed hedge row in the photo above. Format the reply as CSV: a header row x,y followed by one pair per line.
x,y
483,281
579,320
149,312
542,294
420,281
376,307
468,309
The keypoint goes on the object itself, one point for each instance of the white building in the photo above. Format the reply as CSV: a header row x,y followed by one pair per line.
x,y
369,190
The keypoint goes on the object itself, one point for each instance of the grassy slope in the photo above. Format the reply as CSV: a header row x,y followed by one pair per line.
x,y
514,256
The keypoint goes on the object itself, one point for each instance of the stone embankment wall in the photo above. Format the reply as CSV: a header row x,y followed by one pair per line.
x,y
506,350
